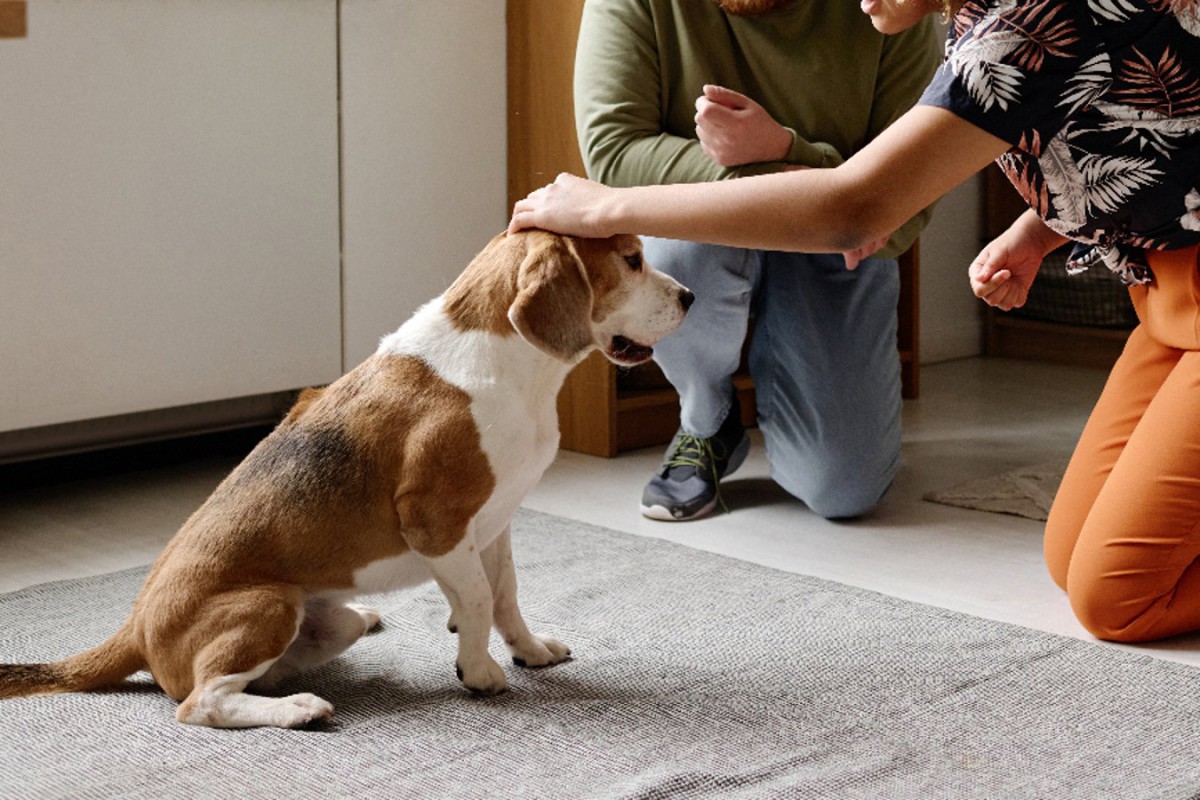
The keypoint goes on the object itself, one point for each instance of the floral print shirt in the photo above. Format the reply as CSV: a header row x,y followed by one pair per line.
x,y
1100,100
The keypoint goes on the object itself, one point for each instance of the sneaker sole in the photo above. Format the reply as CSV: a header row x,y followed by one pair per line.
x,y
664,515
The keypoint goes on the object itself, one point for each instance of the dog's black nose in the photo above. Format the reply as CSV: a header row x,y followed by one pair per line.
x,y
686,298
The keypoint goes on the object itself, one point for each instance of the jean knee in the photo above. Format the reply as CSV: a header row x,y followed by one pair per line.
x,y
838,491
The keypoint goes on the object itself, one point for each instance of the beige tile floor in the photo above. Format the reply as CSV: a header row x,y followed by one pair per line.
x,y
975,418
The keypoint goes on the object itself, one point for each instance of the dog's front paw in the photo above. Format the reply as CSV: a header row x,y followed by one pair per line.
x,y
486,677
539,651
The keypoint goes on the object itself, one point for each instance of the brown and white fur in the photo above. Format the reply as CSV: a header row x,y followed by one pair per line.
x,y
409,467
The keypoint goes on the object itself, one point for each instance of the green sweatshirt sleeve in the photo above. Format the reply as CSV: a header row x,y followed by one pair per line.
x,y
618,94
617,91
617,107
811,154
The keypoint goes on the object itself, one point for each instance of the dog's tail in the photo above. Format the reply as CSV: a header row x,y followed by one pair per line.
x,y
101,666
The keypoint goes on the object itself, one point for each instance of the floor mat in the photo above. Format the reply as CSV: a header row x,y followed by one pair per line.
x,y
694,675
1025,492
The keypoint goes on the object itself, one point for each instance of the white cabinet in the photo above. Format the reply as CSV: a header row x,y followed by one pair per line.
x,y
194,209
424,153
169,210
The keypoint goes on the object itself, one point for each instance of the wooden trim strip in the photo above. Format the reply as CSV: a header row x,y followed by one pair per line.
x,y
13,19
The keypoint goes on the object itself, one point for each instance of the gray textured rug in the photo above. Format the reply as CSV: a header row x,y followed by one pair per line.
x,y
1024,492
694,676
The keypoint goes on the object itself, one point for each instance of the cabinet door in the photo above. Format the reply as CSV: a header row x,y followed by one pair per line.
x,y
423,153
168,206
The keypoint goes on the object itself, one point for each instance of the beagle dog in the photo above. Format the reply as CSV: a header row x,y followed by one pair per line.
x,y
408,468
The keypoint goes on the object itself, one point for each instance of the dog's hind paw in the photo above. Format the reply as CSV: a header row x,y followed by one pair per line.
x,y
298,710
370,616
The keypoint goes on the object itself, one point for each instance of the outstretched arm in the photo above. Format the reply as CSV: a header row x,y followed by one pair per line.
x,y
923,155
733,130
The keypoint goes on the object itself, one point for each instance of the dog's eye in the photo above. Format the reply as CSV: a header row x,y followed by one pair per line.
x,y
634,261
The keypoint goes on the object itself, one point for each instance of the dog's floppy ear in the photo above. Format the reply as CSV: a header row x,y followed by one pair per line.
x,y
553,307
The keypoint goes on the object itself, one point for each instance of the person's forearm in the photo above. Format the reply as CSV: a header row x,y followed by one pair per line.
x,y
925,154
1030,227
759,212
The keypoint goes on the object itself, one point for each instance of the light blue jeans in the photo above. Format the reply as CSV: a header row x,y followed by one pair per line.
x,y
823,358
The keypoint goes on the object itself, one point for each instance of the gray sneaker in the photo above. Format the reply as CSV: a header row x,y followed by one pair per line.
x,y
689,483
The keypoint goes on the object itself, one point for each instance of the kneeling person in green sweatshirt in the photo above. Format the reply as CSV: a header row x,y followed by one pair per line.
x,y
684,91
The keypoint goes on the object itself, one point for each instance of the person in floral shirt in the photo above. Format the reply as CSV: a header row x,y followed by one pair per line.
x,y
1092,108
1102,102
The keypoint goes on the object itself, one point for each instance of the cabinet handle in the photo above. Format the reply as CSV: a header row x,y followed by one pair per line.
x,y
13,23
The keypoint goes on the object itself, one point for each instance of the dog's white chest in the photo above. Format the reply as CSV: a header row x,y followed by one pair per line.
x,y
519,444
512,389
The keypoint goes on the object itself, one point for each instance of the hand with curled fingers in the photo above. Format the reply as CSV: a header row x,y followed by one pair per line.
x,y
734,130
1003,272
855,257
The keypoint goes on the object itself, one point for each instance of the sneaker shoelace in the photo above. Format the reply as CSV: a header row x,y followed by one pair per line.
x,y
697,451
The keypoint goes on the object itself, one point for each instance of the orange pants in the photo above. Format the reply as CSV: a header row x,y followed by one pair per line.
x,y
1123,536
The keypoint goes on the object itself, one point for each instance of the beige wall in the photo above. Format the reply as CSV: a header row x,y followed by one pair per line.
x,y
951,325
951,321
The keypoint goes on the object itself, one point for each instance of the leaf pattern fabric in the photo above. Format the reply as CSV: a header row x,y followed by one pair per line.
x,y
1100,100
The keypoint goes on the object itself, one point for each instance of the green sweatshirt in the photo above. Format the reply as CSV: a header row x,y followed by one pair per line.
x,y
817,66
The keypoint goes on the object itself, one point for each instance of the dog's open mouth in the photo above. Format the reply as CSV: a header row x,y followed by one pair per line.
x,y
626,351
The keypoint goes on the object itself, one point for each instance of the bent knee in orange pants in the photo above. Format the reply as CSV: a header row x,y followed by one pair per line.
x,y
1123,536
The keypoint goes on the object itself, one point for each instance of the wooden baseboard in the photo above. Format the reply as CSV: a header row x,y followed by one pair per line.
x,y
1013,337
